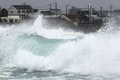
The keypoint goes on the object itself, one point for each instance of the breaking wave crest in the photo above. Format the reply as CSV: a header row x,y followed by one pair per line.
x,y
36,47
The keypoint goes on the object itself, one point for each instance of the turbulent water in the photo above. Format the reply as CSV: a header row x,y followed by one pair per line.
x,y
38,52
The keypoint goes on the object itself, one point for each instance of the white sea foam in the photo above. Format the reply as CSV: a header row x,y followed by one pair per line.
x,y
96,53
40,28
58,33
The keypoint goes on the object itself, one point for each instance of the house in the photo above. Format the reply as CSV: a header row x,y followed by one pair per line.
x,y
73,11
81,16
86,11
53,11
21,10
11,19
104,13
44,11
116,12
50,11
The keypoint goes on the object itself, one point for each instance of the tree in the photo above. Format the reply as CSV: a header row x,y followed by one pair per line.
x,y
4,12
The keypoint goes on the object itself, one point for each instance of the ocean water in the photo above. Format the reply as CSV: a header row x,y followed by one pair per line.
x,y
38,52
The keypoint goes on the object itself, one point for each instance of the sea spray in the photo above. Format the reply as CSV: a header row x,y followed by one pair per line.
x,y
94,54
112,25
53,33
68,51
29,37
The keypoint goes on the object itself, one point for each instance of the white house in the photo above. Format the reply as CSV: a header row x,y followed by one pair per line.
x,y
21,10
11,19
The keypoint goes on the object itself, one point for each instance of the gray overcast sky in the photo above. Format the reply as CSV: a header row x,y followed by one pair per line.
x,y
62,3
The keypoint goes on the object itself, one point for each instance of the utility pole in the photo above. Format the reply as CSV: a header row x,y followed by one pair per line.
x,y
56,8
50,9
0,14
101,12
24,10
89,12
111,10
67,9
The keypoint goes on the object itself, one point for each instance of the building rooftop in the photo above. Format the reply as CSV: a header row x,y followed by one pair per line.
x,y
22,6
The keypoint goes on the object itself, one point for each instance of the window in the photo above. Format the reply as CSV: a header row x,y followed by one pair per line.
x,y
18,11
16,20
23,11
11,20
26,11
5,20
11,11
